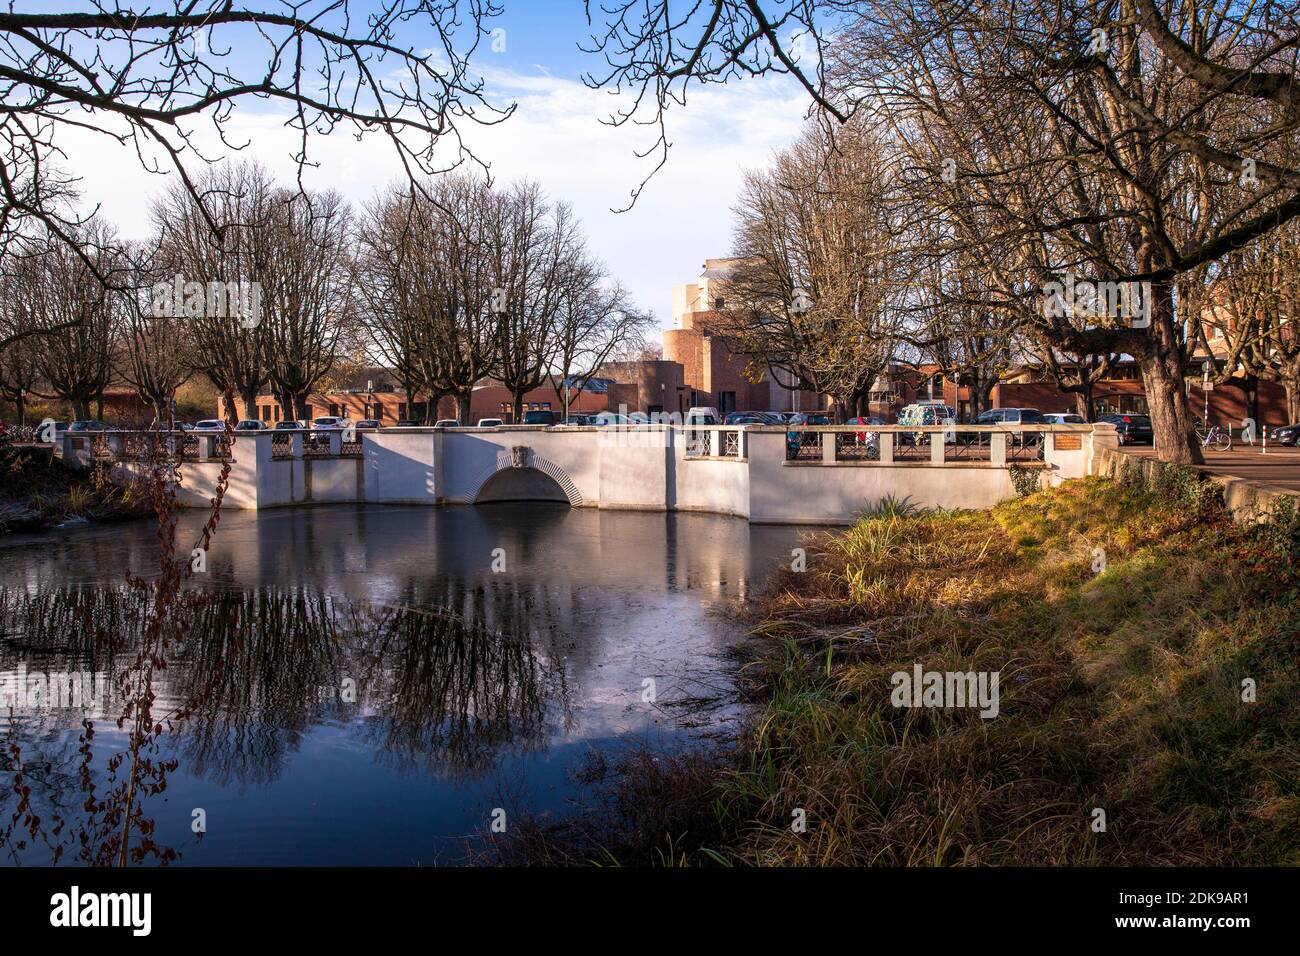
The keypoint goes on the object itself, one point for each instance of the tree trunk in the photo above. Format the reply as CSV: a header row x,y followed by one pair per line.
x,y
462,409
518,407
1083,400
249,398
1292,386
20,408
1162,377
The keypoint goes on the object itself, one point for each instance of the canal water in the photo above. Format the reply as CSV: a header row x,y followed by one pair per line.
x,y
374,686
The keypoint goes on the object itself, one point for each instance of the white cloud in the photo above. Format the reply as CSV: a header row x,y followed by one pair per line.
x,y
554,137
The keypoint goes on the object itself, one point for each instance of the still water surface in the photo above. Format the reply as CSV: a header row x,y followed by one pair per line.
x,y
475,689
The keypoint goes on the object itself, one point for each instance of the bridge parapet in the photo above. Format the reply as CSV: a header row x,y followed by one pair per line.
x,y
814,474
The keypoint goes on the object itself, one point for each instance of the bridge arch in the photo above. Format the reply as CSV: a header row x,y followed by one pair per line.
x,y
521,475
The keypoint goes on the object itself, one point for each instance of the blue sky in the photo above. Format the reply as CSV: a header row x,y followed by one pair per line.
x,y
555,137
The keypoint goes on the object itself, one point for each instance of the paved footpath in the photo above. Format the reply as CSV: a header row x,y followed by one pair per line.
x,y
1279,466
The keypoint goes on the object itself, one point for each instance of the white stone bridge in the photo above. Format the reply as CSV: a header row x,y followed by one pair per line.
x,y
824,474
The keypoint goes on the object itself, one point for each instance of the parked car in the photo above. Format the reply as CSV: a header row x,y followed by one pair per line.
x,y
1064,418
1012,416
331,423
702,415
369,424
577,420
746,418
288,426
927,413
250,425
490,423
1132,429
440,423
809,418
943,411
609,418
210,425
407,423
1285,435
88,425
539,417
869,439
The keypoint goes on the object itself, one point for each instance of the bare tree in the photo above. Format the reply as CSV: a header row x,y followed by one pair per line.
x,y
19,348
596,324
302,262
1091,140
457,279
81,318
819,267
547,279
228,348
157,343
395,313
1251,307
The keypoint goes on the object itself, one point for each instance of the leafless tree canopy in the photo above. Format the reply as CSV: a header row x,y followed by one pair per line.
x,y
820,266
654,51
477,281
152,78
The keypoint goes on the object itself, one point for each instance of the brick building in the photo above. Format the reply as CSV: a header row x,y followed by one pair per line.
x,y
711,373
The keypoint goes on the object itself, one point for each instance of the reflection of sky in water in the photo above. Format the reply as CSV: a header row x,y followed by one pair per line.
x,y
597,601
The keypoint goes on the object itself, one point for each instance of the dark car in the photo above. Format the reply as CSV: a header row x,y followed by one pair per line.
x,y
1285,434
1012,416
1132,429
369,424
405,423
539,417
87,426
577,420
747,418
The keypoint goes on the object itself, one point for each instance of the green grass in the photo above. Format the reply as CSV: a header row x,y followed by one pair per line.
x,y
1119,690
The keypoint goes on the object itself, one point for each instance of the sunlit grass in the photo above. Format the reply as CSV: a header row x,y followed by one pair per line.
x,y
1119,690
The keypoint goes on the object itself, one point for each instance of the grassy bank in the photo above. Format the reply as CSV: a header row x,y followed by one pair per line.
x,y
37,491
1119,690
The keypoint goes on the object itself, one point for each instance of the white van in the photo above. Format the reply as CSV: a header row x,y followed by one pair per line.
x,y
703,415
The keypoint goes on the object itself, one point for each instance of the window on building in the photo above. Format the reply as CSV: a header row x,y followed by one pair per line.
x,y
726,402
401,411
335,411
719,304
378,411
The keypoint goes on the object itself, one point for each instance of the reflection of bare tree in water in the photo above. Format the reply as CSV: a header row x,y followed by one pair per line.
x,y
266,660
447,695
428,685
433,689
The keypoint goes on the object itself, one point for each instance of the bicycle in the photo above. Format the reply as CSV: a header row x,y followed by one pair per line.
x,y
1215,438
